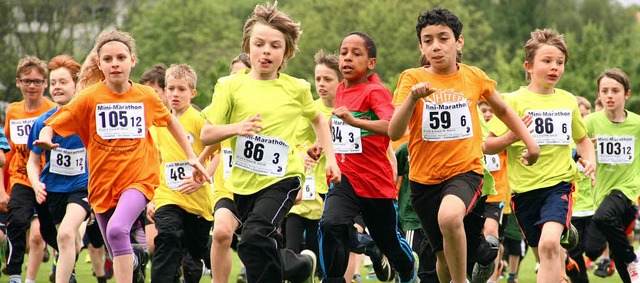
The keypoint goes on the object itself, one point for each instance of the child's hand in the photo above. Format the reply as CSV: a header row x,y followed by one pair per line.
x,y
46,145
190,185
333,172
200,174
589,169
315,151
250,126
343,113
309,162
4,200
421,90
151,210
530,156
40,189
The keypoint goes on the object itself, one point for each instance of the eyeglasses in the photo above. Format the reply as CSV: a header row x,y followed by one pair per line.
x,y
35,82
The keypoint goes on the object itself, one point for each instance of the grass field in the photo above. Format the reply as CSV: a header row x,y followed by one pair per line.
x,y
83,272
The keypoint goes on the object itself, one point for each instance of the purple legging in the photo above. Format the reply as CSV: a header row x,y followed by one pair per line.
x,y
115,224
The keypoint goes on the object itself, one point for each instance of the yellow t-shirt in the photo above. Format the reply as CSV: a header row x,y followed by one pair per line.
x,y
259,161
312,208
556,121
173,168
222,172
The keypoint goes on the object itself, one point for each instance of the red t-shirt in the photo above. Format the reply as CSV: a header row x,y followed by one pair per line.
x,y
369,172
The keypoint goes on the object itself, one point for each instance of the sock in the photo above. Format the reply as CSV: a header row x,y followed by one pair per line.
x,y
512,276
102,279
29,281
17,278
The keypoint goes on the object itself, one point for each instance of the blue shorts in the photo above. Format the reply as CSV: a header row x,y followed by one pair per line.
x,y
534,208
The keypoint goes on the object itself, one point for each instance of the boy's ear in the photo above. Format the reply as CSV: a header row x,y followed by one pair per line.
x,y
371,64
526,65
460,43
193,93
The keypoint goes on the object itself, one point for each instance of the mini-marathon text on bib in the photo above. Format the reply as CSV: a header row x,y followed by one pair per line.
x,y
615,149
446,121
227,161
346,138
551,127
120,120
262,155
20,129
492,161
309,188
176,172
68,162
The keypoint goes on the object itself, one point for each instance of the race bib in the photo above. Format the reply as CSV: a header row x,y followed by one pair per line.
x,y
346,138
492,161
615,150
227,161
262,155
20,129
120,120
551,126
446,121
176,172
68,162
309,188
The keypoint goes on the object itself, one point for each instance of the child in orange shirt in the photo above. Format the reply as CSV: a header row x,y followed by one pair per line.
x,y
32,81
112,117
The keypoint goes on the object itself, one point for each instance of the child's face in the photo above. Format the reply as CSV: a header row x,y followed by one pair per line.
x,y
439,46
237,67
32,84
612,94
487,112
115,61
159,91
547,67
179,93
354,59
584,111
62,89
326,81
266,51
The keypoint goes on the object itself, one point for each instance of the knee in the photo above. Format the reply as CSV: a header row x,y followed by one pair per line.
x,y
449,221
66,237
222,236
118,233
549,248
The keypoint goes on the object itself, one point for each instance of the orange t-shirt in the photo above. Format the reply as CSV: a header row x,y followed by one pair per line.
x,y
115,130
453,145
501,180
17,126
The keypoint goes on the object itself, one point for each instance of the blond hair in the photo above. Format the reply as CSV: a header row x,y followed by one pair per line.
x,y
544,37
182,71
89,71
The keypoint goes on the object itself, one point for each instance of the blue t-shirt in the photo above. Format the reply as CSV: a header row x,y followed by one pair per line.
x,y
68,172
4,143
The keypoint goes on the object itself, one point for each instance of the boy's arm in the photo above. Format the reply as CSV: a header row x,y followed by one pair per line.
x,y
379,127
321,128
393,160
44,139
402,114
180,136
4,197
216,133
513,122
584,146
33,173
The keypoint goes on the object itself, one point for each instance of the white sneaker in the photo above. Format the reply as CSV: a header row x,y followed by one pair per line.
x,y
634,271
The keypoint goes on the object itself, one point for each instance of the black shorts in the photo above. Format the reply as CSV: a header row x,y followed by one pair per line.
x,y
534,208
426,200
57,203
226,203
